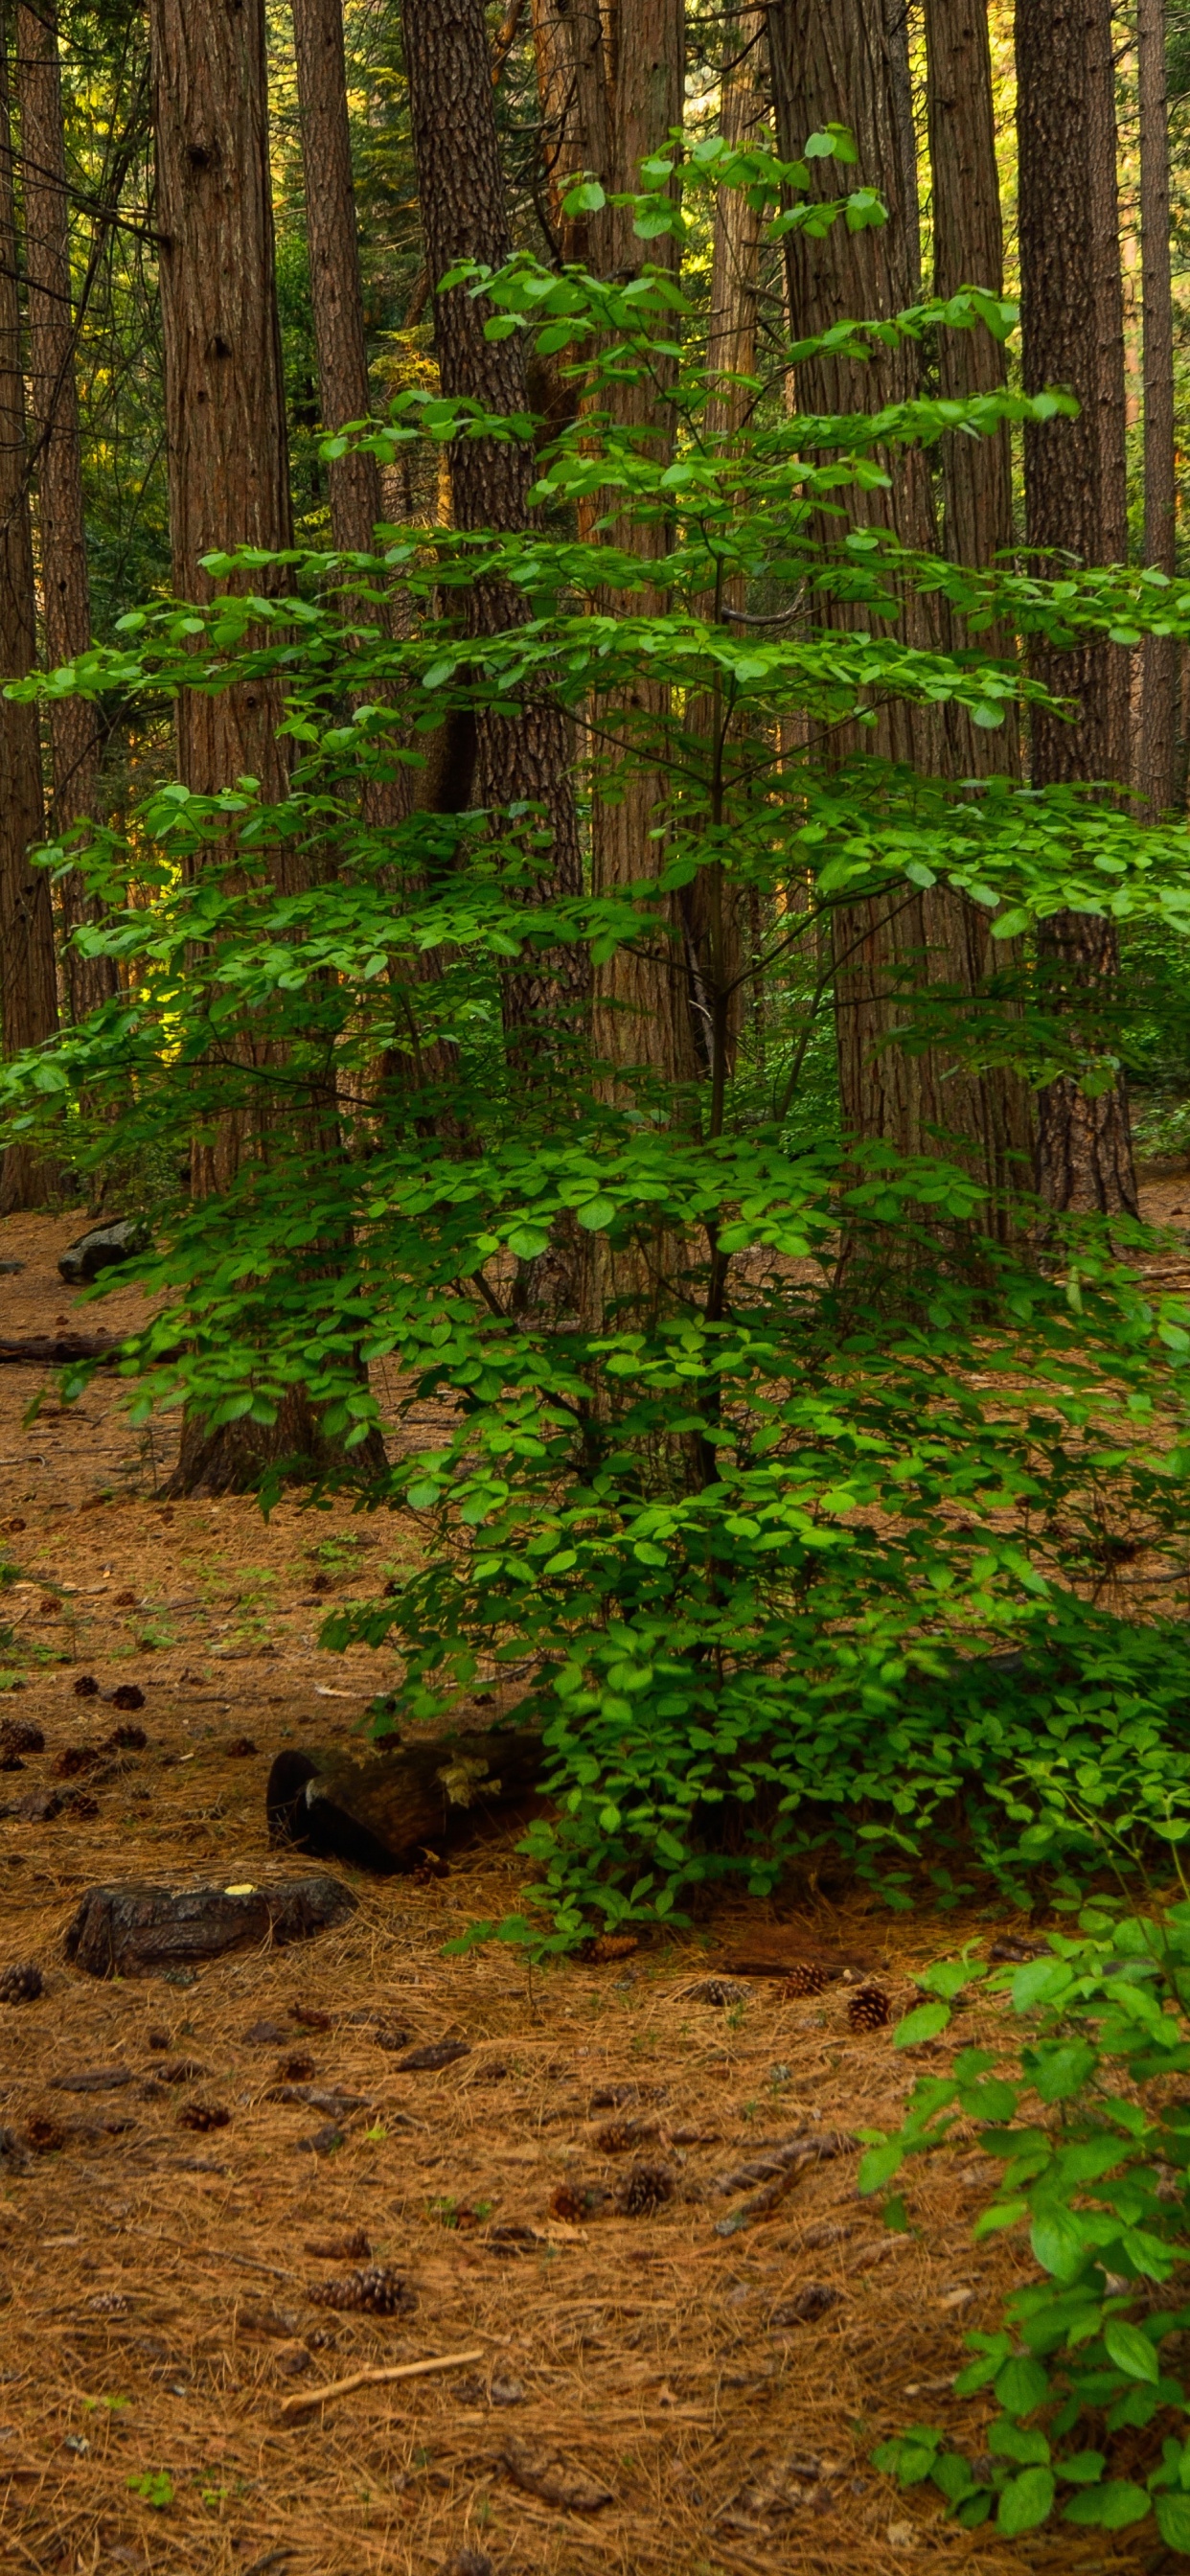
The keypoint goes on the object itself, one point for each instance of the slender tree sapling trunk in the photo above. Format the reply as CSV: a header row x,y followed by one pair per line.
x,y
28,984
1074,507
57,459
1157,755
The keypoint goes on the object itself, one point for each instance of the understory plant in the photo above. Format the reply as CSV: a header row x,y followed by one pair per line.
x,y
1085,2110
778,1474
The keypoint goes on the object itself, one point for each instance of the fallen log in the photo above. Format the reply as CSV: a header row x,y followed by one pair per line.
x,y
44,1350
131,1931
417,1799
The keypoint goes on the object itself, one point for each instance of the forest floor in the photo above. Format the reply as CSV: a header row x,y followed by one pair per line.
x,y
723,2389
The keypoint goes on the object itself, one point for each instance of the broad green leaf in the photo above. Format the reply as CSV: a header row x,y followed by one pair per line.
x,y
1111,2507
924,2023
1131,2350
1025,2502
1021,2385
1173,2522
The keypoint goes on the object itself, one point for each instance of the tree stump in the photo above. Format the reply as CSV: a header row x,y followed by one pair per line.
x,y
387,1814
130,1931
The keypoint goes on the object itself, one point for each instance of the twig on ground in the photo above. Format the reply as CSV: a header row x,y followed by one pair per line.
x,y
371,2378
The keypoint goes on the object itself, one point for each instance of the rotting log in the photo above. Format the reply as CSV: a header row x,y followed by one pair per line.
x,y
410,1800
133,1930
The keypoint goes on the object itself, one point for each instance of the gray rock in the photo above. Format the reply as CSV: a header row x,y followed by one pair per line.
x,y
102,1248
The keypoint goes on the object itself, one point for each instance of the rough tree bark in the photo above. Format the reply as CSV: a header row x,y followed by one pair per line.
x,y
492,761
576,121
228,486
336,295
641,1013
57,458
28,987
1074,506
711,916
832,62
969,251
1157,749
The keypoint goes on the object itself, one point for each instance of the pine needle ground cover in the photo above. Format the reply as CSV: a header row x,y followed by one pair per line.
x,y
725,2383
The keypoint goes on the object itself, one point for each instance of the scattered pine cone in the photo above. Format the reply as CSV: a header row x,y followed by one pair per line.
x,y
573,2202
869,2009
620,2135
814,2301
109,2303
203,2116
44,2135
295,2070
21,1983
341,2249
377,2292
718,1990
239,1747
124,1600
76,1758
310,2016
185,2070
645,2190
157,2038
129,1695
609,1945
19,1735
806,1977
86,1687
126,1739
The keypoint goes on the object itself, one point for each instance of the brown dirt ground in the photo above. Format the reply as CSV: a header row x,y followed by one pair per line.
x,y
154,2282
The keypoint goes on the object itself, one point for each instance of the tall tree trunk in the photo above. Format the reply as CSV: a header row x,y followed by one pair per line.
x,y
641,1016
976,472
969,251
576,121
28,989
833,61
493,761
336,294
224,392
1156,764
228,486
53,403
711,917
1073,505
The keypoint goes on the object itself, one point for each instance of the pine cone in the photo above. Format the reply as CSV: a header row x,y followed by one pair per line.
x,y
86,1687
646,2188
341,2249
575,2202
718,1990
82,1808
19,1735
377,2292
109,2303
21,1984
295,2070
310,2016
869,2009
605,1946
203,2116
44,2135
806,1977
77,1758
126,1739
129,1695
620,2135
